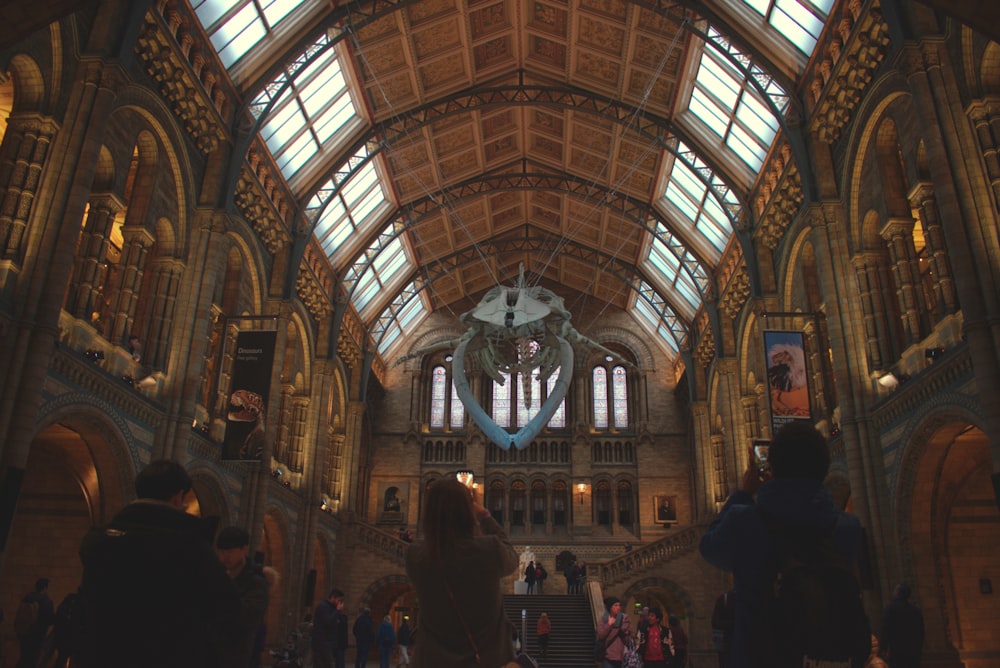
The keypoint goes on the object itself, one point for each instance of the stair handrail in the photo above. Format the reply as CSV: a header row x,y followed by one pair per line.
x,y
652,554
380,541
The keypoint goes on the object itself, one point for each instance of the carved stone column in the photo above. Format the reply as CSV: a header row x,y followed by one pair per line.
x,y
877,331
89,264
299,427
138,241
898,234
944,281
33,136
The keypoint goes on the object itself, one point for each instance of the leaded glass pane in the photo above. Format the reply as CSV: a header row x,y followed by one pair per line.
x,y
558,420
600,386
501,402
619,390
457,409
439,380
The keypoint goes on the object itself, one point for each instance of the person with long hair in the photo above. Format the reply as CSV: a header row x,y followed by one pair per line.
x,y
456,567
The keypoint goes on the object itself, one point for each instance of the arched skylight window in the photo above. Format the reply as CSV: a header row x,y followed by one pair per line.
x,y
388,264
355,208
659,318
236,26
406,310
314,107
799,21
726,102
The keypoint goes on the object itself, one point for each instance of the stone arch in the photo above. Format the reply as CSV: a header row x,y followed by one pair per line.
x,y
944,458
639,347
381,594
431,338
989,72
28,83
276,546
668,593
213,501
78,474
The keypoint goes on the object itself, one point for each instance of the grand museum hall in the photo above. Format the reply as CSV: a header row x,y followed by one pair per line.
x,y
584,254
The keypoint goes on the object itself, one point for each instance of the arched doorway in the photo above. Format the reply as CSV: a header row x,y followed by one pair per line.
x,y
947,498
77,475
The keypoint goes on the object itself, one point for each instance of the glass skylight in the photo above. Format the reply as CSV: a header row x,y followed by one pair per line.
x,y
728,106
799,21
658,317
313,107
388,264
236,26
354,208
406,311
699,204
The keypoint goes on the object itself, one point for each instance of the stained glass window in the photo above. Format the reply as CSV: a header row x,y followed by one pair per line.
x,y
439,381
501,402
457,409
619,392
558,420
600,384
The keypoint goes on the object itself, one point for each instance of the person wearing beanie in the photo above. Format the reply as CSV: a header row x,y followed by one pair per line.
x,y
232,546
613,630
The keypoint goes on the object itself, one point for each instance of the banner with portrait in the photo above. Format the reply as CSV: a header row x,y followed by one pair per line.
x,y
787,377
248,395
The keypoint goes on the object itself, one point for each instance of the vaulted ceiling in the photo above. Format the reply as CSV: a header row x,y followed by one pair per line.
x,y
434,146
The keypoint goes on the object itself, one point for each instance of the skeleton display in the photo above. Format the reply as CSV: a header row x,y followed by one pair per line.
x,y
515,331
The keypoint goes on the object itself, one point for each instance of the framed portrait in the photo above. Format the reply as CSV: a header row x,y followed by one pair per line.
x,y
665,509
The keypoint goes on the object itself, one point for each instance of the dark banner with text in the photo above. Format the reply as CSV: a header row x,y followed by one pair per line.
x,y
248,395
787,377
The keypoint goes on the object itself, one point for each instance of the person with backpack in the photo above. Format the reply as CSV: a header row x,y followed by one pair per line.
x,y
364,636
154,593
797,533
540,575
614,632
32,619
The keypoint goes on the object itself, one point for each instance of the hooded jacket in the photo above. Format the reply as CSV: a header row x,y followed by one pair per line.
x,y
739,541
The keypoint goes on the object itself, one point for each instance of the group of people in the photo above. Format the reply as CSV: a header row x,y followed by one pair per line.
x,y
576,576
534,575
658,642
159,589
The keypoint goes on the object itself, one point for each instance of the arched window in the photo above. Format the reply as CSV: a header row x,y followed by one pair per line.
x,y
517,503
560,501
610,397
625,504
495,501
446,409
602,503
512,394
538,503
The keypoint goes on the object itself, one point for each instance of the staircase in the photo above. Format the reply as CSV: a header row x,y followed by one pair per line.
x,y
571,643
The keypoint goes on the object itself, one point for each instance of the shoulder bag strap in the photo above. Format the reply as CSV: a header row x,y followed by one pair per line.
x,y
458,611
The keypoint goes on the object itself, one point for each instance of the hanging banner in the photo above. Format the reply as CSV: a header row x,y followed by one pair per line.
x,y
787,377
248,395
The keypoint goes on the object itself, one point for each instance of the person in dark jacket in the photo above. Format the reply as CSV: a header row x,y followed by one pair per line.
x,y
404,636
902,638
740,542
680,639
328,620
529,576
232,544
386,641
154,593
364,636
62,630
31,640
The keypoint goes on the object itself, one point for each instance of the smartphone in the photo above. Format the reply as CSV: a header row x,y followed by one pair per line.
x,y
760,448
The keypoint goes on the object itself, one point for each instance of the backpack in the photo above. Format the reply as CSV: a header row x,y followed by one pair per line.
x,y
539,574
26,616
816,615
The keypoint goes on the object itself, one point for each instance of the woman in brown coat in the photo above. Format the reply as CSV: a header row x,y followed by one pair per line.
x,y
456,570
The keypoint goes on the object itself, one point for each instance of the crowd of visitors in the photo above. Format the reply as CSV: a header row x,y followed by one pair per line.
x,y
207,604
